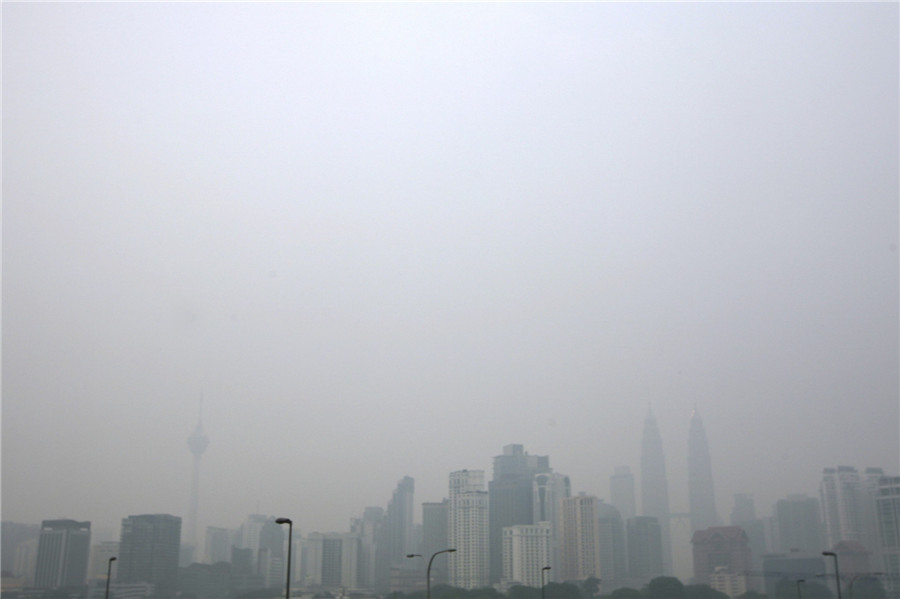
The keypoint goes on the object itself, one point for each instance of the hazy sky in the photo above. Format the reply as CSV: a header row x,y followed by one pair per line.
x,y
388,239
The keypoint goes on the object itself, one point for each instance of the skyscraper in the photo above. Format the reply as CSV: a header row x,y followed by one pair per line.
x,y
398,522
655,486
148,551
468,530
511,497
613,555
645,548
798,526
720,548
887,503
621,492
581,537
434,537
700,481
526,550
197,443
64,547
550,488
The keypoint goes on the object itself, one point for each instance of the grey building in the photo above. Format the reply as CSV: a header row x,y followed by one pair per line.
x,y
700,481
64,548
148,551
798,526
655,486
511,496
645,548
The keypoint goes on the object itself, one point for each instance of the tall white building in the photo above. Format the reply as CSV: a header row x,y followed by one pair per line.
x,y
848,506
550,488
526,551
468,530
331,560
887,504
581,537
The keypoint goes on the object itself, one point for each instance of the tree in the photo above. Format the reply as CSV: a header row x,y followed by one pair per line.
x,y
523,592
591,586
625,593
703,591
562,590
665,587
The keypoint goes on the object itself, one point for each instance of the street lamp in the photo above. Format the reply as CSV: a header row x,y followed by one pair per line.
x,y
108,574
799,582
287,583
428,570
544,569
837,574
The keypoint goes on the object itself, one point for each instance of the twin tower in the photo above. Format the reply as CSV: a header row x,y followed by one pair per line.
x,y
655,486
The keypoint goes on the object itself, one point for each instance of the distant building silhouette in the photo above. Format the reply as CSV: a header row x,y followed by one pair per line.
x,y
798,526
550,488
197,443
218,545
434,538
621,492
723,549
887,505
468,531
700,481
655,485
613,553
645,549
848,507
511,496
63,551
148,552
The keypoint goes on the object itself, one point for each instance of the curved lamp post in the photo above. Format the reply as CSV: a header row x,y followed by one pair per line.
x,y
428,570
837,574
287,583
799,582
108,574
544,569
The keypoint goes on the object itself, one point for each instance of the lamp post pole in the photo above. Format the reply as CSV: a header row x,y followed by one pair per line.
x,y
837,573
544,569
108,574
287,582
428,570
799,582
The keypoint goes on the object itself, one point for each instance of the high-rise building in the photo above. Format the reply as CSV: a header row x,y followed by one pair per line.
x,y
848,507
148,552
655,485
700,480
613,554
887,504
100,555
645,549
581,537
550,488
511,497
744,515
270,555
723,549
526,551
331,560
197,443
798,526
367,530
621,492
468,530
398,523
218,545
63,550
434,538
13,535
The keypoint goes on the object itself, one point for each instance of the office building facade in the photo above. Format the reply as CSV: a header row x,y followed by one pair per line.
x,y
63,552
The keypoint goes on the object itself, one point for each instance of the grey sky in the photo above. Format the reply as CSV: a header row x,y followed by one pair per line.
x,y
387,239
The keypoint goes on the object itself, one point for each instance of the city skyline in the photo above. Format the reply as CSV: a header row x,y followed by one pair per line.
x,y
386,240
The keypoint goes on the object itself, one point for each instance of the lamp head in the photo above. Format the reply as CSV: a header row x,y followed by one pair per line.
x,y
112,559
283,521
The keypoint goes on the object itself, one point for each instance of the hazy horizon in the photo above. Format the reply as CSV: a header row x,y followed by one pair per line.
x,y
383,240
